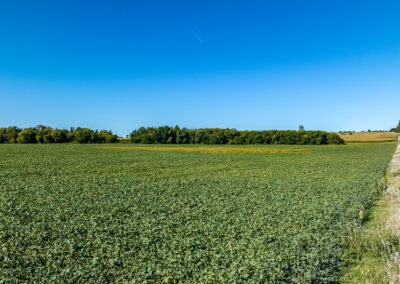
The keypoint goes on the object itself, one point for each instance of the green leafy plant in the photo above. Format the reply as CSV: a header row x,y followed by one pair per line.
x,y
79,213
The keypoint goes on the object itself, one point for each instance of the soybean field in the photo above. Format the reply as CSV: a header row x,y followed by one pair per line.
x,y
100,213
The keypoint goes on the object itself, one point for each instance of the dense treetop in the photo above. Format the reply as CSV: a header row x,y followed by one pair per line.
x,y
45,134
176,135
167,135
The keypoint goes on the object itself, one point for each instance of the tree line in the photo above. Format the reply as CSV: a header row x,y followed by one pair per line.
x,y
176,135
396,129
46,134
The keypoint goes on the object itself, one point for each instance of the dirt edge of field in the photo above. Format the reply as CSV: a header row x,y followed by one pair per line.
x,y
377,244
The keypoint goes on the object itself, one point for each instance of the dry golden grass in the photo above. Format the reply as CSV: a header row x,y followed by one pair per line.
x,y
365,137
212,150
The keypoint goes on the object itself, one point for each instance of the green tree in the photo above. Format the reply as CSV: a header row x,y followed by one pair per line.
x,y
48,138
27,135
105,136
59,135
3,135
111,138
44,134
169,135
301,128
12,134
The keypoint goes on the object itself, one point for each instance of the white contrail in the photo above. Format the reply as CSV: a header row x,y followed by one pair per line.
x,y
197,36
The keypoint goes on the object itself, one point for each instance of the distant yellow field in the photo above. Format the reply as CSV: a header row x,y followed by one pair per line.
x,y
365,137
213,150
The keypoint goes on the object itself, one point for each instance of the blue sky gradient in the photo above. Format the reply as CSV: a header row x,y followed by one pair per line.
x,y
119,65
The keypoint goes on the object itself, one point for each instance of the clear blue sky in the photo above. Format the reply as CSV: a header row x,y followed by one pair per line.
x,y
119,65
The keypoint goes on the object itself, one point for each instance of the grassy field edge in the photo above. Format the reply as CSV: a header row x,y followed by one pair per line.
x,y
373,255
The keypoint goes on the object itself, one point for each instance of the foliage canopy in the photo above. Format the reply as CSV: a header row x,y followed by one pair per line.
x,y
45,134
176,135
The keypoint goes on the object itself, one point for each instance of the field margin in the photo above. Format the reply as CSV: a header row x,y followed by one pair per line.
x,y
374,249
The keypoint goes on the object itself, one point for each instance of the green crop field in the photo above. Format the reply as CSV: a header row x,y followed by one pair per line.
x,y
89,213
